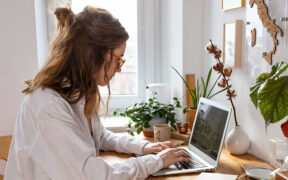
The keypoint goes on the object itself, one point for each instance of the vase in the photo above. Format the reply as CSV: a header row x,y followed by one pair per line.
x,y
148,132
190,117
237,142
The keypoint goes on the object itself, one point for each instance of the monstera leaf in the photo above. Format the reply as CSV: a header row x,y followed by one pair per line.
x,y
270,93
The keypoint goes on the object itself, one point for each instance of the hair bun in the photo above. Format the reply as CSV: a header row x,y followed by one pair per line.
x,y
64,16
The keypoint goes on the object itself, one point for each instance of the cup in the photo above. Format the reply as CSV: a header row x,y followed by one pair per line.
x,y
162,132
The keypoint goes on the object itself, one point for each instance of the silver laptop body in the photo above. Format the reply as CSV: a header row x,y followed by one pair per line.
x,y
206,139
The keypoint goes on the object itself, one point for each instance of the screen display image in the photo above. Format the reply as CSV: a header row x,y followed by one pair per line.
x,y
209,129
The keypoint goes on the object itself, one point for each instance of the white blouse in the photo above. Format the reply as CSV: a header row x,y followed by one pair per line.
x,y
52,140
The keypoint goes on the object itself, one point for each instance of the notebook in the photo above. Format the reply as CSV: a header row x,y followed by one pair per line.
x,y
206,139
216,176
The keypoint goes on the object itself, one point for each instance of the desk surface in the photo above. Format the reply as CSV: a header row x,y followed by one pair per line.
x,y
228,164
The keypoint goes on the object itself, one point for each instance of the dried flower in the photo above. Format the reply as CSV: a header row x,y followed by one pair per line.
x,y
211,48
227,72
217,54
222,83
231,93
218,67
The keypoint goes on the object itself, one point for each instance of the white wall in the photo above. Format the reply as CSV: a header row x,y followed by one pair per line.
x,y
248,117
192,37
172,44
18,57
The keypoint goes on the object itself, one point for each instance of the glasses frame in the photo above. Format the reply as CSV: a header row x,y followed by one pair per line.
x,y
120,61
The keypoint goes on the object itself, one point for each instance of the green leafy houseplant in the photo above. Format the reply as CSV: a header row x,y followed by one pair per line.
x,y
270,94
140,114
196,93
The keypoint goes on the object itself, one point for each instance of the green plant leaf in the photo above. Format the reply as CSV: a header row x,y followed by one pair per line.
x,y
146,125
263,79
205,85
139,130
273,100
220,91
210,96
185,110
255,89
191,92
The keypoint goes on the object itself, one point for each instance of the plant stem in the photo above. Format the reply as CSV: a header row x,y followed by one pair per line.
x,y
230,98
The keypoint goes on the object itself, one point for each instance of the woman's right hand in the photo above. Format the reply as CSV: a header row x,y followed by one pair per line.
x,y
172,155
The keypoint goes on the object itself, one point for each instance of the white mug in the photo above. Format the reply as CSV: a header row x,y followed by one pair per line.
x,y
162,132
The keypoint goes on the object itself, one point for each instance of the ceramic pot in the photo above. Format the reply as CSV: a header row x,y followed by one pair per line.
x,y
237,142
148,132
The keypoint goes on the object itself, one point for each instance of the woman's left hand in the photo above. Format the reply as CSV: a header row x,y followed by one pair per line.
x,y
151,148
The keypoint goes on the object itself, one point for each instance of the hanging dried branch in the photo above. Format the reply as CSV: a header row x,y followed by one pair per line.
x,y
225,72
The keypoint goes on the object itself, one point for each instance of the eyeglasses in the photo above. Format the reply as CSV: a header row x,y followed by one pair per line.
x,y
120,61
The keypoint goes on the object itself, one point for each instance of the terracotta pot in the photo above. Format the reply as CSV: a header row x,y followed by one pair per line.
x,y
190,117
148,132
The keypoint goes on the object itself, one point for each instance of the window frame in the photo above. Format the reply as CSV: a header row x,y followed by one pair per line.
x,y
148,51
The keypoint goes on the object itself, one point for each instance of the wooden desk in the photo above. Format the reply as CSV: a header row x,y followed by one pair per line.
x,y
228,164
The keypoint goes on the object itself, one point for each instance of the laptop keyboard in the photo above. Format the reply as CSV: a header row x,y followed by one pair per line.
x,y
193,164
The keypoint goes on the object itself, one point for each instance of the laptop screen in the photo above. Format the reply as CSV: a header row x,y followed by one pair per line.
x,y
209,129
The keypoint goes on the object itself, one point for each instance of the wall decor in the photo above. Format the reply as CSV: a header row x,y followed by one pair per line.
x,y
232,4
268,23
232,44
253,37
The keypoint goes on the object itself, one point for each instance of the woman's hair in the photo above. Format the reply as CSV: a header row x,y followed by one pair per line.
x,y
77,54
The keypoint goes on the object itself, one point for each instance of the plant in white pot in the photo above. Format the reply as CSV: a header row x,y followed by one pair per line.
x,y
237,141
144,115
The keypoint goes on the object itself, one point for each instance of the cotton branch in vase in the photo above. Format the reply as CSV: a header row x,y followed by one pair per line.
x,y
225,72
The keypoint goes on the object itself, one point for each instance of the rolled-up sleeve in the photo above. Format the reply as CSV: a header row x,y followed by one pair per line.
x,y
123,143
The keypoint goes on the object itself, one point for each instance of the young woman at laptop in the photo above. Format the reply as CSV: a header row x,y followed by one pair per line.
x,y
58,133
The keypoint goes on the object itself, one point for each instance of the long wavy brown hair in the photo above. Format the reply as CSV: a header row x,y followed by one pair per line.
x,y
77,54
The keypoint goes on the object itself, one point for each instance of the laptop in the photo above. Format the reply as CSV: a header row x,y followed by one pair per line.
x,y
206,139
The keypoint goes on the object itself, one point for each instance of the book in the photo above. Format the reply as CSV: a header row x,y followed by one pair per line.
x,y
216,176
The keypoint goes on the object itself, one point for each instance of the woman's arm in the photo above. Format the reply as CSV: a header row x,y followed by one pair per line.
x,y
63,151
124,143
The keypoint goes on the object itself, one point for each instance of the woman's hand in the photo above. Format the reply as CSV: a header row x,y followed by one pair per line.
x,y
172,155
150,148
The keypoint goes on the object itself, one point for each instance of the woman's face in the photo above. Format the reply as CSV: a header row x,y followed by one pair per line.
x,y
113,68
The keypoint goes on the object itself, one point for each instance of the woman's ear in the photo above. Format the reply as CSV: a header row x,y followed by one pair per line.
x,y
108,54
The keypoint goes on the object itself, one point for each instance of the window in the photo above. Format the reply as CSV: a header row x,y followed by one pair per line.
x,y
141,18
125,82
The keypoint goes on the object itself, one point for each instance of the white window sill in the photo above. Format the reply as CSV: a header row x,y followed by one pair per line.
x,y
115,123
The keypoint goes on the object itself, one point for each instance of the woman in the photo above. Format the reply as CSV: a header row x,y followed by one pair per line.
x,y
58,133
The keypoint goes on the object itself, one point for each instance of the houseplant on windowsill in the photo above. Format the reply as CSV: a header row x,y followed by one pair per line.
x,y
196,93
237,141
144,115
270,94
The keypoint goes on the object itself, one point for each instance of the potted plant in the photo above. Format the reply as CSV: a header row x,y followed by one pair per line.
x,y
270,94
144,115
196,93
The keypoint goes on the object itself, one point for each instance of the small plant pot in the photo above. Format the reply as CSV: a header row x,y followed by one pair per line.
x,y
148,132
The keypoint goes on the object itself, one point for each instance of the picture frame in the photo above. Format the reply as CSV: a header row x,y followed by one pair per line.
x,y
232,44
232,4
